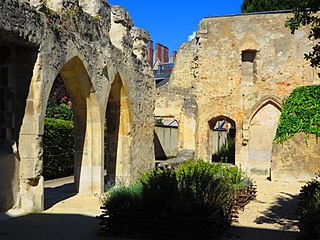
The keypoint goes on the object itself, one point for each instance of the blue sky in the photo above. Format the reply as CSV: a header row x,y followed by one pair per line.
x,y
171,22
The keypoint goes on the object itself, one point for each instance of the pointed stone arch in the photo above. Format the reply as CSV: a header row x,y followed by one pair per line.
x,y
118,133
88,133
262,125
88,129
277,103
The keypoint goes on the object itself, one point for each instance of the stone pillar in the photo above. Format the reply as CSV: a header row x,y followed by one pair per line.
x,y
31,181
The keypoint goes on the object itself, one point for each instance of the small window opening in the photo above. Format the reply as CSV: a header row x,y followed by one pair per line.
x,y
248,56
248,66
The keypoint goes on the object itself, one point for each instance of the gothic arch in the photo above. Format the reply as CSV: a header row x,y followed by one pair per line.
x,y
118,133
88,133
265,101
263,123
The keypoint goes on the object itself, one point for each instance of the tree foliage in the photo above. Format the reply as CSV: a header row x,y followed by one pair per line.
x,y
305,13
267,5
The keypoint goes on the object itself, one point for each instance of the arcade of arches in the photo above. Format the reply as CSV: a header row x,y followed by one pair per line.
x,y
108,79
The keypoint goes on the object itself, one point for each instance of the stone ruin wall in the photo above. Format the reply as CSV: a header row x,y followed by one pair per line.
x,y
214,76
91,45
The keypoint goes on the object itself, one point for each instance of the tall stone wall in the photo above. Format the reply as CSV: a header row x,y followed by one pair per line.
x,y
91,45
239,68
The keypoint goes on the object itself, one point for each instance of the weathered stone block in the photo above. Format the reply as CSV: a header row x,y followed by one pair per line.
x,y
295,160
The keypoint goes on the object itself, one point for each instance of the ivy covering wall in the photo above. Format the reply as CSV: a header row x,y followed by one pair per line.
x,y
301,113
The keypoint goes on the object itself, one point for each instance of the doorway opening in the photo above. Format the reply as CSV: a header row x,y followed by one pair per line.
x,y
263,126
222,139
58,145
87,150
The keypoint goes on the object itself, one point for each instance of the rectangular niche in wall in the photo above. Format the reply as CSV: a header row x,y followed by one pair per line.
x,y
248,66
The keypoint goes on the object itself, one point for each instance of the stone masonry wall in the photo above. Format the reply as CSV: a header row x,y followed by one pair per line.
x,y
238,67
90,44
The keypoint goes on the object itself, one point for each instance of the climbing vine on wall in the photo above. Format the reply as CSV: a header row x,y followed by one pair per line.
x,y
301,113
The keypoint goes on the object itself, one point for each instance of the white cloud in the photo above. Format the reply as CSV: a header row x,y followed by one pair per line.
x,y
192,36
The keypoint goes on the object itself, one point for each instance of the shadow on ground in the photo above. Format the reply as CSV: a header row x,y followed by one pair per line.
x,y
247,233
282,212
53,195
43,226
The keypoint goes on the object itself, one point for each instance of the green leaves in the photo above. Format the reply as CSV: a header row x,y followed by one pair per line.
x,y
267,5
194,188
58,145
305,13
301,113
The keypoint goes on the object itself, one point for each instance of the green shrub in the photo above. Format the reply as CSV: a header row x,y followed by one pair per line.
x,y
125,198
159,188
227,150
205,186
194,188
309,211
58,145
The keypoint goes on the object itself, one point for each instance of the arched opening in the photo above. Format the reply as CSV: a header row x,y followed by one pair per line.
x,y
263,126
88,171
166,138
58,145
222,139
117,135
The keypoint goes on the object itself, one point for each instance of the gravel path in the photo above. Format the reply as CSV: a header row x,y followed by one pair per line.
x,y
271,215
68,217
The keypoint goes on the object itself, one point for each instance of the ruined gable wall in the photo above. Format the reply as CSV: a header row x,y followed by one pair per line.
x,y
278,68
221,83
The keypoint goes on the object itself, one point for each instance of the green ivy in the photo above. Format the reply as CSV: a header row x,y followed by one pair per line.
x,y
300,114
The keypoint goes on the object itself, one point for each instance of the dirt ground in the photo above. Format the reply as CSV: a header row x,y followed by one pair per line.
x,y
73,217
271,216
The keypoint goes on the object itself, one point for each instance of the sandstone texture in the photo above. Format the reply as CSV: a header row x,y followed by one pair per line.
x,y
237,69
296,159
102,59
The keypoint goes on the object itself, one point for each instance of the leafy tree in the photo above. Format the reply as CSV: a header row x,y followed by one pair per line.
x,y
305,13
267,5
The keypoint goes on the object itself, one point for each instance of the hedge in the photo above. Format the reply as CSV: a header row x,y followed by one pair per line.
x,y
58,145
